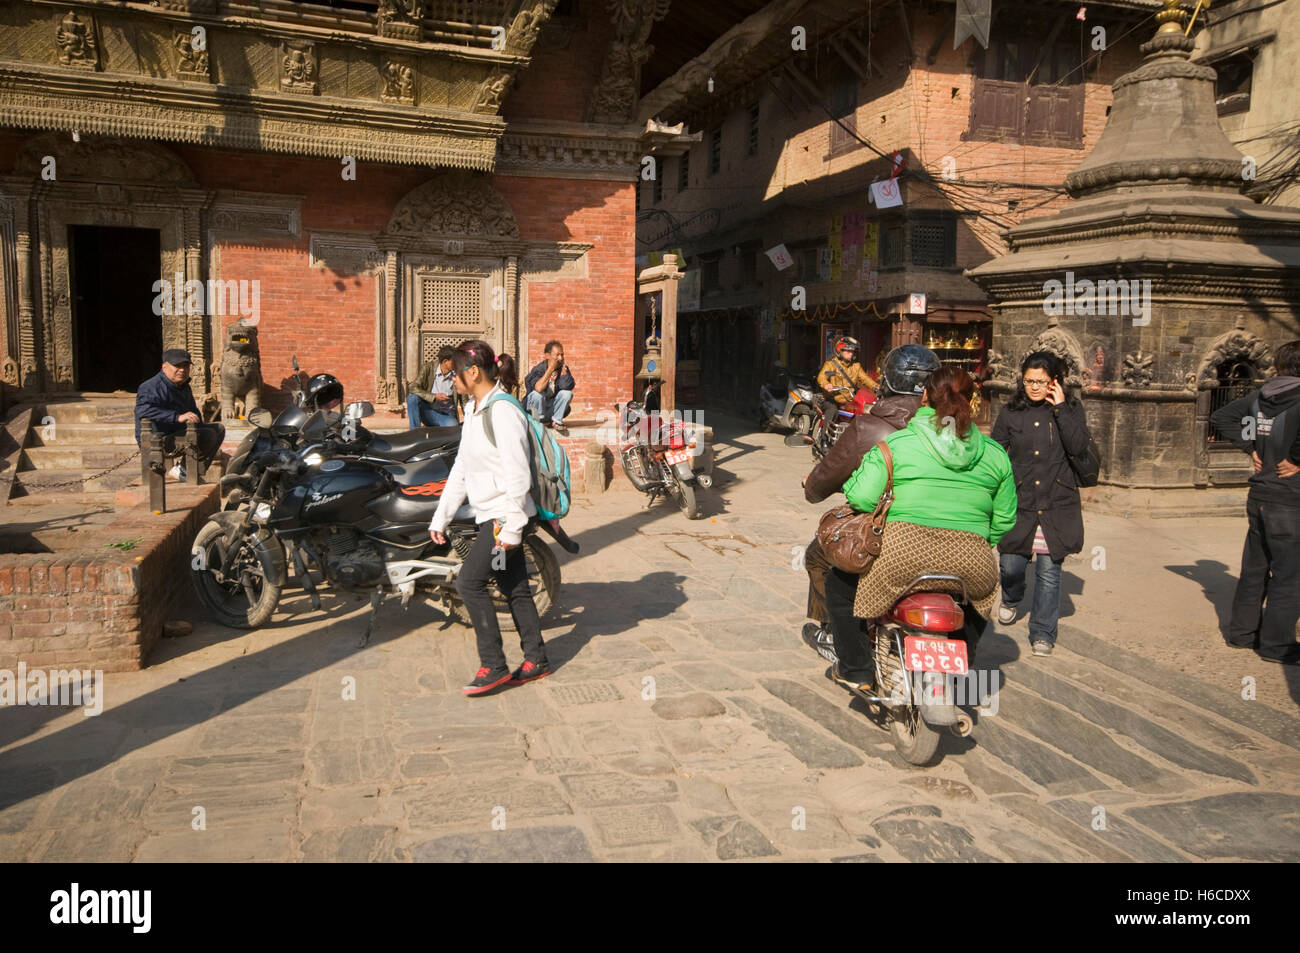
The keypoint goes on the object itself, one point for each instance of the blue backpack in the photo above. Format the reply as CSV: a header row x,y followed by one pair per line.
x,y
550,465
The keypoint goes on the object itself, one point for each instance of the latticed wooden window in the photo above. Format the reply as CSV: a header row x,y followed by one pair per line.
x,y
934,244
431,344
892,238
450,303
450,312
751,145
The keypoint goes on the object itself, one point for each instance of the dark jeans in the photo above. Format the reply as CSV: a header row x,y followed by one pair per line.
x,y
1266,604
513,581
1046,610
421,413
209,439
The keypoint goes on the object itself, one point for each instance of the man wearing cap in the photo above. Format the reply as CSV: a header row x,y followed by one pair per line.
x,y
169,404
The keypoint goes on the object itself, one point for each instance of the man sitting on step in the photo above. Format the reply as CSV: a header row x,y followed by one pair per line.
x,y
169,404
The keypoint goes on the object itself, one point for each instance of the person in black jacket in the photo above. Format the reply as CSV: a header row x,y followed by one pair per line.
x,y
1266,423
836,635
167,401
1039,427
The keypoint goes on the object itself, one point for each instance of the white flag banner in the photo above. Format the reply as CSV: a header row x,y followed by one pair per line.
x,y
886,194
780,257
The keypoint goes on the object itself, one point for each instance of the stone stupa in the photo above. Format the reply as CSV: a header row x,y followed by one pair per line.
x,y
1163,288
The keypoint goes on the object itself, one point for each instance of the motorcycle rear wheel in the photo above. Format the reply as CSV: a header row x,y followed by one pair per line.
x,y
803,424
685,494
246,604
915,741
543,581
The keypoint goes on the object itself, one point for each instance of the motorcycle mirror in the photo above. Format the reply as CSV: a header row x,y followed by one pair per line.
x,y
795,440
359,409
295,362
260,417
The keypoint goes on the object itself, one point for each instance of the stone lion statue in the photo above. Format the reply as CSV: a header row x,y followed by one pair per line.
x,y
241,370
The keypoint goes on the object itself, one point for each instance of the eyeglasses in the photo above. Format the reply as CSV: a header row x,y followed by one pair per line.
x,y
1034,383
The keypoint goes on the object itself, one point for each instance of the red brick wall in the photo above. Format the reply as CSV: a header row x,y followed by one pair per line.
x,y
591,316
97,610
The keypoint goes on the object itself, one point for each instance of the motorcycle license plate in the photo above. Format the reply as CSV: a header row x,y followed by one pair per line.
x,y
674,457
921,654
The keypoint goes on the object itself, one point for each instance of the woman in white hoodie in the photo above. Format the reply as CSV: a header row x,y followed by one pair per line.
x,y
497,481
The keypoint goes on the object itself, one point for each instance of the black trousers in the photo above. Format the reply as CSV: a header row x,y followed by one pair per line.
x,y
472,583
209,438
830,601
1266,604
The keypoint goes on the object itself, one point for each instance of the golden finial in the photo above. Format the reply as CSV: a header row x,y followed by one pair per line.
x,y
1171,18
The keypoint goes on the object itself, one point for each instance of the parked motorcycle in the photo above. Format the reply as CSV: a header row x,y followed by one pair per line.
x,y
360,524
788,403
918,650
656,455
284,431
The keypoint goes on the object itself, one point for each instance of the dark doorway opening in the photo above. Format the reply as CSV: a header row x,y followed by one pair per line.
x,y
117,336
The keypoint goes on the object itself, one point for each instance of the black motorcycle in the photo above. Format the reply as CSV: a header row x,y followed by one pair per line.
x,y
360,524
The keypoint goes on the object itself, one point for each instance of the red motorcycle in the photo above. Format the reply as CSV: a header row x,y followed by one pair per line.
x,y
833,418
657,455
919,652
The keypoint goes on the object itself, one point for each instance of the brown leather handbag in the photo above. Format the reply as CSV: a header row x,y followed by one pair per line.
x,y
851,540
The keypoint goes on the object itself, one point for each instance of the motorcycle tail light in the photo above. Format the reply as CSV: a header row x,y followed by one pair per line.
x,y
931,611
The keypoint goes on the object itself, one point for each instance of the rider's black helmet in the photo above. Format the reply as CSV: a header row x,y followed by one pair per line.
x,y
907,369
322,390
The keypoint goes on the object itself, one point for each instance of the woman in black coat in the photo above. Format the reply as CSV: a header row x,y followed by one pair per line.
x,y
1037,428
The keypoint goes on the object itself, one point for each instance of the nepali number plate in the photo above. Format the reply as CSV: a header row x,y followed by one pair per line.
x,y
675,457
934,655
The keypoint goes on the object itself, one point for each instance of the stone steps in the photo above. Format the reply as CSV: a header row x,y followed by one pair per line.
x,y
79,433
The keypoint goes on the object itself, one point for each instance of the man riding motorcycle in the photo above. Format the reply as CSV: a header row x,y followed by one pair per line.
x,y
836,634
842,376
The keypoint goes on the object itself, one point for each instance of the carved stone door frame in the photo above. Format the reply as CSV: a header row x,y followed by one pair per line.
x,y
58,184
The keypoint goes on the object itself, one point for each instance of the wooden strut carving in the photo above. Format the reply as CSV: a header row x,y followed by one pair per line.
x,y
615,98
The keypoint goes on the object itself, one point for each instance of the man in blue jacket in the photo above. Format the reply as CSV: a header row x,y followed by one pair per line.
x,y
548,388
169,404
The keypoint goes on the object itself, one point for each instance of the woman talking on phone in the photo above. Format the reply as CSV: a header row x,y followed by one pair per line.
x,y
496,479
1038,427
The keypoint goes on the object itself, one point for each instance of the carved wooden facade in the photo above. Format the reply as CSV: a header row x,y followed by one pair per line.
x,y
100,91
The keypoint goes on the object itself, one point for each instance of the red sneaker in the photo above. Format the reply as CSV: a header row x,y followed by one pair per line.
x,y
529,672
485,680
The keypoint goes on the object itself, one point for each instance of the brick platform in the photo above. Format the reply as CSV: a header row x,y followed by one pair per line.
x,y
97,607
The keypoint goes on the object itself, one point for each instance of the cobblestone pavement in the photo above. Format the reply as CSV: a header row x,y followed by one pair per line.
x,y
686,721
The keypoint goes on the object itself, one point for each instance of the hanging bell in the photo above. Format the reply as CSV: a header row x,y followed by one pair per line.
x,y
651,361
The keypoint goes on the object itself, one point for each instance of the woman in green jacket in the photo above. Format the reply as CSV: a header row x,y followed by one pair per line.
x,y
954,499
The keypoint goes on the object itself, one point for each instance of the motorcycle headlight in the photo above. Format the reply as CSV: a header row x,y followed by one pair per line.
x,y
313,459
262,512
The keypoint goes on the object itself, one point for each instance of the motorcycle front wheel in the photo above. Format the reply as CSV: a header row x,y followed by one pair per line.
x,y
816,435
543,581
245,601
915,741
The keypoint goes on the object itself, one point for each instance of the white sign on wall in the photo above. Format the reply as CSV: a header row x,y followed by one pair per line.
x,y
916,304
